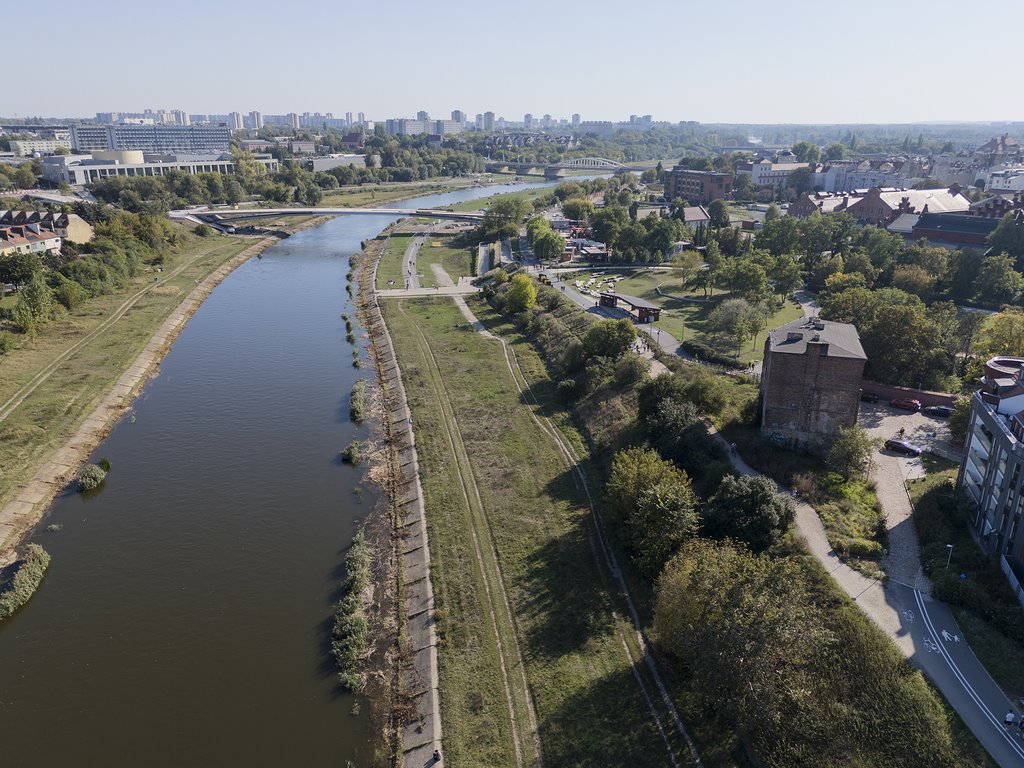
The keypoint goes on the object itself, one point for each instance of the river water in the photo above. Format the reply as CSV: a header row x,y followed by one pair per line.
x,y
185,617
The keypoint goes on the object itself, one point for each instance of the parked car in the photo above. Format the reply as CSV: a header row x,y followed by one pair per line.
x,y
902,446
906,404
869,397
942,411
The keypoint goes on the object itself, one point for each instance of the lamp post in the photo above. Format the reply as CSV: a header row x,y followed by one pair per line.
x,y
948,557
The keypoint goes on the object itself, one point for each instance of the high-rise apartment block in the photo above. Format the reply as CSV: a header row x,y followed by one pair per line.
x,y
151,138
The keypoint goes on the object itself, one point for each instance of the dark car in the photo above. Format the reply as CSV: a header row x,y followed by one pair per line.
x,y
906,403
902,446
943,411
869,397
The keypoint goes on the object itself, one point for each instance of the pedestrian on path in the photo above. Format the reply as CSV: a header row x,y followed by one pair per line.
x,y
437,756
1008,720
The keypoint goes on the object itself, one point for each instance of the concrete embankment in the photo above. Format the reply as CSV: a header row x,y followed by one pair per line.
x,y
421,733
19,516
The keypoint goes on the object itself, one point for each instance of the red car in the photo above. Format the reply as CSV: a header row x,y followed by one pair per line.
x,y
906,404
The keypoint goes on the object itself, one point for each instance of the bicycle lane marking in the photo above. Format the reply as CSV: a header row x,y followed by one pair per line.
x,y
960,676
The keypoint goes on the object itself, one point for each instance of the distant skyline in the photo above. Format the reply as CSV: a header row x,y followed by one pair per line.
x,y
878,62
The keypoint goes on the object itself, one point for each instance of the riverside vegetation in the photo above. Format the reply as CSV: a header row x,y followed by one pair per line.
x,y
27,574
350,635
804,677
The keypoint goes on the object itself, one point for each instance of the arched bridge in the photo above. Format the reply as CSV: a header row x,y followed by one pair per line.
x,y
590,163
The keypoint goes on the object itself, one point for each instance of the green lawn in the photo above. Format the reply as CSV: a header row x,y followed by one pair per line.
x,y
390,266
689,319
457,262
588,706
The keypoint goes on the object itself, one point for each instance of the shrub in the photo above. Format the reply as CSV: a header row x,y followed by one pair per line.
x,y
91,477
631,369
350,634
21,587
353,453
69,294
706,353
202,230
6,342
357,402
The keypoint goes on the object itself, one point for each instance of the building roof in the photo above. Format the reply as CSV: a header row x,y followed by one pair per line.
x,y
792,339
695,214
904,223
633,301
951,222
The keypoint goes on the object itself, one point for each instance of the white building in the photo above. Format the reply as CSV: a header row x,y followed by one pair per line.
x,y
1002,180
765,173
78,170
151,138
30,147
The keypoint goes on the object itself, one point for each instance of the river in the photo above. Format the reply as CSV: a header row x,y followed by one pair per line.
x,y
185,618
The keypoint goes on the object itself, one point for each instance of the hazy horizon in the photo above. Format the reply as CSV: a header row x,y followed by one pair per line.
x,y
815,65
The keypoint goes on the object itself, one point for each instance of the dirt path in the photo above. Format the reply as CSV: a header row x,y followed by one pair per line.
x,y
499,607
30,503
441,276
606,555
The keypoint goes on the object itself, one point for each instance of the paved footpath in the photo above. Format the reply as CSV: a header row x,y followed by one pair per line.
x,y
922,628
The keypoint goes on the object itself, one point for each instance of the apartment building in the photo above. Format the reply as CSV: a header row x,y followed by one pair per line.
x,y
700,187
78,170
151,138
991,473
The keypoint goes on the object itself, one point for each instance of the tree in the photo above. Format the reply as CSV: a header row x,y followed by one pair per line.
x,y
835,151
18,268
748,509
779,236
522,293
34,305
503,216
806,152
578,209
609,338
737,320
548,244
786,275
997,280
914,279
718,214
655,504
930,183
801,180
1008,237
1003,335
852,452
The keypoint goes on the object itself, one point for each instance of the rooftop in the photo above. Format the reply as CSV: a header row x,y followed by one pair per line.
x,y
951,222
842,338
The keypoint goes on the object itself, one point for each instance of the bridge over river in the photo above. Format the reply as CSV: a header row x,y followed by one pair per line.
x,y
224,218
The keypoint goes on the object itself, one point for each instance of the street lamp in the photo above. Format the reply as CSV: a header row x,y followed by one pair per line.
x,y
948,557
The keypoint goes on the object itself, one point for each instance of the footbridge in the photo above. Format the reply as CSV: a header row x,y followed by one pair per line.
x,y
223,218
553,170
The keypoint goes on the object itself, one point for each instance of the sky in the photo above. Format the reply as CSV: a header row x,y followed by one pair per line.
x,y
712,61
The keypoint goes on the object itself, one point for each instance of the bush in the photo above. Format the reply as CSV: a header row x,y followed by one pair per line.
x,y
353,453
357,402
202,230
91,477
21,587
69,294
6,342
631,369
350,634
706,353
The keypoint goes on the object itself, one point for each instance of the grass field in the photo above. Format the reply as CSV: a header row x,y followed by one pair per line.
x,y
504,515
689,320
457,262
46,418
370,194
390,266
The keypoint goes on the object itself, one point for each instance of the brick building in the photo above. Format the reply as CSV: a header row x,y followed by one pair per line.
x,y
699,187
810,382
881,206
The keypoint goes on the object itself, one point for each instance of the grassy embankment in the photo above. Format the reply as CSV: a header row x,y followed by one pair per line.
x,y
504,516
873,686
986,609
48,415
689,319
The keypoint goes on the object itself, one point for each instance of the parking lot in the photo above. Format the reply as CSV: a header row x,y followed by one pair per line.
x,y
926,432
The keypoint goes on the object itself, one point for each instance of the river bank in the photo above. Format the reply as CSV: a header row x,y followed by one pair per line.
x,y
19,516
410,711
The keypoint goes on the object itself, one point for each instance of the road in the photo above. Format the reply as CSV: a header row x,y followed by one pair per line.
x,y
412,278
